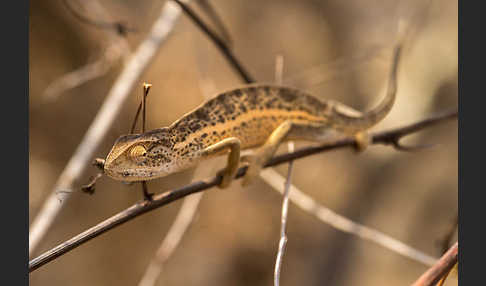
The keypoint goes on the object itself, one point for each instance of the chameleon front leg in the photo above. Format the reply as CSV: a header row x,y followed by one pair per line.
x,y
233,144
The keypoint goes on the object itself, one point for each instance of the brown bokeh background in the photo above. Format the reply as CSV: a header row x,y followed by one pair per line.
x,y
234,238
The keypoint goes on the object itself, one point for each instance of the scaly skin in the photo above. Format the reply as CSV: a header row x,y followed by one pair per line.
x,y
255,116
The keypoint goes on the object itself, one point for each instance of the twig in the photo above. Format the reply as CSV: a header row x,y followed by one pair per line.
x,y
218,42
344,224
282,245
170,196
447,240
116,48
283,224
440,268
119,27
172,239
116,97
211,12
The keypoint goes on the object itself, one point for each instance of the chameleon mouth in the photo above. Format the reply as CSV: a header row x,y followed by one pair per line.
x,y
133,175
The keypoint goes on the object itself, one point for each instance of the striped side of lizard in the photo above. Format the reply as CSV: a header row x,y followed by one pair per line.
x,y
255,116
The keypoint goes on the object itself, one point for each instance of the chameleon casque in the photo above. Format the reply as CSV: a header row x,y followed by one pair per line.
x,y
255,116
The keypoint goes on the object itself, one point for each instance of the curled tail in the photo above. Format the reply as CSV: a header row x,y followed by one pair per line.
x,y
379,112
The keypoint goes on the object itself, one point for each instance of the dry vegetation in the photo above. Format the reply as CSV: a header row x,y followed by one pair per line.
x,y
234,237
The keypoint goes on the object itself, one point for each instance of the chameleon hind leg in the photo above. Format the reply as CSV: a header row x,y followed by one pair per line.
x,y
289,130
233,145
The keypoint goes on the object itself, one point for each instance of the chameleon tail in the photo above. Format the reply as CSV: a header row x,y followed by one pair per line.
x,y
379,112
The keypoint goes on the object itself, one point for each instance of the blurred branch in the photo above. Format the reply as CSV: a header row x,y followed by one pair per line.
x,y
326,215
222,46
383,137
119,92
119,27
440,268
447,240
116,48
283,224
282,245
172,239
211,12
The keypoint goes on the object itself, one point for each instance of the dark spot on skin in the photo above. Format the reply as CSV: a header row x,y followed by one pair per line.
x,y
287,94
251,89
164,142
242,107
237,93
181,128
266,89
228,107
252,99
202,114
221,119
270,103
194,127
204,135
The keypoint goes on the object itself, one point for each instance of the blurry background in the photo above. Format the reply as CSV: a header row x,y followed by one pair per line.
x,y
234,237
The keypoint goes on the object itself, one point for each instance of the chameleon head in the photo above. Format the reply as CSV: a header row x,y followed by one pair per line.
x,y
140,157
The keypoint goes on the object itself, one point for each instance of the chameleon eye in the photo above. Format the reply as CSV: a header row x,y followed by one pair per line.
x,y
138,151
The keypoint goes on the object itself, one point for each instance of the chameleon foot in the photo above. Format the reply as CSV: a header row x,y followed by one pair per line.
x,y
226,180
363,140
254,167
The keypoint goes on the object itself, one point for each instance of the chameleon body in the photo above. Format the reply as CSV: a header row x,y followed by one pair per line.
x,y
255,116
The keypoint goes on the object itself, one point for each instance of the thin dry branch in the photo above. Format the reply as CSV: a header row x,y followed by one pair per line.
x,y
282,244
440,268
116,48
384,137
326,215
172,239
218,22
220,43
119,92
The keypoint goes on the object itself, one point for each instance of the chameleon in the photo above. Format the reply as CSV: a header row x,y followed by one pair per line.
x,y
255,116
